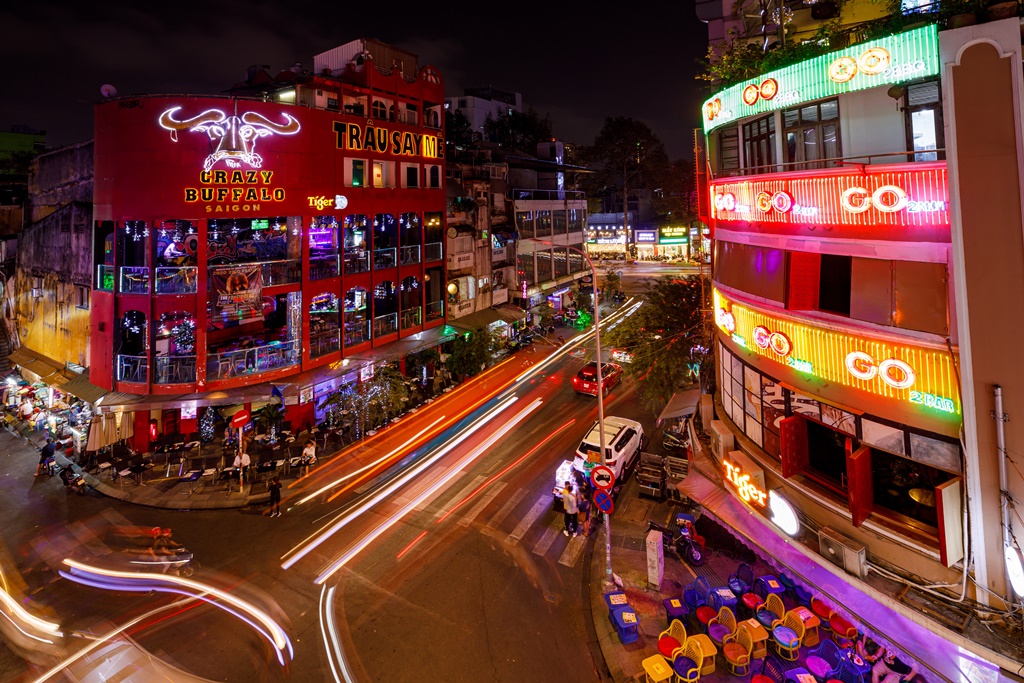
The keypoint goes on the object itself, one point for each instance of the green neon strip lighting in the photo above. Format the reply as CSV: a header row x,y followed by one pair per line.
x,y
894,59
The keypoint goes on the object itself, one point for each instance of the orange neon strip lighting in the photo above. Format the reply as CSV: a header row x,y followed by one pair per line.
x,y
831,354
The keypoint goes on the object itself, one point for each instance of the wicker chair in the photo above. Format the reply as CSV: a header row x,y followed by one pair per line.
x,y
737,651
686,662
671,639
787,636
722,627
770,612
772,671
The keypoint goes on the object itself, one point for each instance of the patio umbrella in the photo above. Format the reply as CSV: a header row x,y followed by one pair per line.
x,y
109,429
127,429
95,434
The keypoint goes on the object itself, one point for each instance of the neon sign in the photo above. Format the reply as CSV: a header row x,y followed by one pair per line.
x,y
844,357
873,203
745,486
893,59
356,138
234,137
783,514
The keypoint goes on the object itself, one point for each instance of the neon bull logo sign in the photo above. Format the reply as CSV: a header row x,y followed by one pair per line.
x,y
234,136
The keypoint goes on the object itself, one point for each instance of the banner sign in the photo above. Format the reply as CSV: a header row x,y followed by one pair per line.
x,y
236,295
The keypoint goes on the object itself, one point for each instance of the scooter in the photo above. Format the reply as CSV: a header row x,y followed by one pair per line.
x,y
675,441
680,543
73,482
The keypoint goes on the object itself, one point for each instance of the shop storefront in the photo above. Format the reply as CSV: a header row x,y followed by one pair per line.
x,y
606,241
674,241
646,242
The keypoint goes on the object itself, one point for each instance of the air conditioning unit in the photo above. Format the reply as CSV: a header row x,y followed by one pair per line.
x,y
722,439
843,551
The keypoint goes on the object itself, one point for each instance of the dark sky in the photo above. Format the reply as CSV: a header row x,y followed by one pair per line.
x,y
577,62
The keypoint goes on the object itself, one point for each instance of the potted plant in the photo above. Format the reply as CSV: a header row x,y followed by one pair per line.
x,y
1002,9
960,13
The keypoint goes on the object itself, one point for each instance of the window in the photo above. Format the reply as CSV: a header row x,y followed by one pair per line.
x,y
812,135
81,297
624,440
729,149
834,286
923,112
826,450
759,144
412,176
380,110
434,177
378,174
358,178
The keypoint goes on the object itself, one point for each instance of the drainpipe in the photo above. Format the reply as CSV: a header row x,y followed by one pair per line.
x,y
1004,493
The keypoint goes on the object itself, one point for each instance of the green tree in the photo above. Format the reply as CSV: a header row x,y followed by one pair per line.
x,y
665,336
627,155
471,352
518,130
457,129
612,281
678,198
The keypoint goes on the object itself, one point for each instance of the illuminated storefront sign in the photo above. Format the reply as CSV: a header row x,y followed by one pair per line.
x,y
646,236
892,201
893,59
356,138
234,137
746,477
783,514
675,234
915,374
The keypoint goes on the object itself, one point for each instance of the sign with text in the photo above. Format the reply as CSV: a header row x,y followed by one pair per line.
x,y
655,559
236,295
745,476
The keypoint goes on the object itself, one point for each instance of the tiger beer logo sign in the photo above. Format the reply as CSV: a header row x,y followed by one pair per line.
x,y
356,138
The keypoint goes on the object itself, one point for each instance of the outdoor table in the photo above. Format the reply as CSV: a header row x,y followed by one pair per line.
x,y
708,649
137,472
772,585
758,636
656,669
800,676
190,478
675,608
856,662
811,623
615,599
726,598
625,621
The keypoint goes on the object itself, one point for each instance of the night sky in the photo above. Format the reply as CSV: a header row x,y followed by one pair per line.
x,y
577,62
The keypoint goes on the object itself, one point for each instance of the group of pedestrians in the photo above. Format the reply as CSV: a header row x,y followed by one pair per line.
x,y
576,504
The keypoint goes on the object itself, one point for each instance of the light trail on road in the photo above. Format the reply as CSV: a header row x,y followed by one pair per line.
x,y
452,471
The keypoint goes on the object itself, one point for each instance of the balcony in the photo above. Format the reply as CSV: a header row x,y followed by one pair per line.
x,y
410,255
434,251
548,195
246,362
275,273
460,260
134,280
176,280
133,369
435,311
412,317
174,370
357,332
323,343
357,262
324,267
105,278
384,258
384,325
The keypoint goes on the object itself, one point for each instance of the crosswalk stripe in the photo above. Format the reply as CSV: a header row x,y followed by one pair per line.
x,y
462,494
483,502
550,534
526,522
571,554
88,538
115,517
506,509
430,499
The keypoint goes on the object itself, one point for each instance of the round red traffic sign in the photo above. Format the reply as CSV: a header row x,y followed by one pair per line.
x,y
240,419
602,477
603,501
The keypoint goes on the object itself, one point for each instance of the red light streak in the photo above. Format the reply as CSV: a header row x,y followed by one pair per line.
x,y
406,549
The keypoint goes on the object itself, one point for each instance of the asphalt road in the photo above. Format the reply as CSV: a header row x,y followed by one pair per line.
x,y
486,590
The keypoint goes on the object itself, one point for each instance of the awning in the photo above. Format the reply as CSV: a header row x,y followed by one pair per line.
x,y
117,401
48,370
682,404
228,412
20,356
510,313
478,320
405,346
81,387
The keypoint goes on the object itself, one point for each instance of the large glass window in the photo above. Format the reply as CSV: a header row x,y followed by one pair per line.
x,y
812,135
132,239
324,330
133,349
357,251
433,249
174,349
759,144
385,241
729,149
357,317
558,223
412,302
385,309
411,238
524,221
923,112
324,259
577,219
524,263
544,265
177,242
247,240
543,224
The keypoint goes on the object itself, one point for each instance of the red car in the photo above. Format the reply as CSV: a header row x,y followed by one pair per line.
x,y
585,381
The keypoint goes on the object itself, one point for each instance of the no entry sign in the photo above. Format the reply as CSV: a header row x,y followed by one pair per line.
x,y
240,419
603,501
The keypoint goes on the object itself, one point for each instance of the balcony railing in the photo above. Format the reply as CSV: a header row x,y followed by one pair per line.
x,y
435,311
174,370
245,362
384,258
832,162
323,267
357,262
323,343
559,195
133,369
412,317
385,324
134,280
408,117
357,332
105,278
433,251
280,272
176,280
410,255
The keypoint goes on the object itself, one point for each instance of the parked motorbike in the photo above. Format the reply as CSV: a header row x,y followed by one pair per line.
x,y
73,482
675,441
681,542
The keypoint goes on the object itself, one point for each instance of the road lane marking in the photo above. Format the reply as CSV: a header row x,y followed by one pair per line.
x,y
550,534
88,538
484,502
422,505
462,494
526,522
416,489
506,509
571,554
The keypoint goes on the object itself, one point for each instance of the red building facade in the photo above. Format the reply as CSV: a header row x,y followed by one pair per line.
x,y
239,241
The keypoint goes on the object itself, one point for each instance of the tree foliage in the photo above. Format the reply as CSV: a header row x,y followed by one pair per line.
x,y
665,336
626,151
678,200
457,128
471,353
518,130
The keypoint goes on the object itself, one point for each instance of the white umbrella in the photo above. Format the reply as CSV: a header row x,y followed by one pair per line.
x,y
95,434
109,429
127,429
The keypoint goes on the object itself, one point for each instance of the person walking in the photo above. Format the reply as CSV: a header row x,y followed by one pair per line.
x,y
274,486
45,453
571,509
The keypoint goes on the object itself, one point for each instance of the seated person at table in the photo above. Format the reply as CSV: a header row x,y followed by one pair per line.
x,y
891,669
308,456
242,462
868,649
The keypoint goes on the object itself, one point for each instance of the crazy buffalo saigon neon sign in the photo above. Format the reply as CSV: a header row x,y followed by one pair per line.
x,y
892,202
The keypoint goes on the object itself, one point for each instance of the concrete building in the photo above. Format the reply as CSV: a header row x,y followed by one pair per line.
x,y
476,104
868,251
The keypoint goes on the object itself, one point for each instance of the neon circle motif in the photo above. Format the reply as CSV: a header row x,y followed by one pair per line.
x,y
886,191
897,374
750,95
874,61
861,365
761,336
780,343
843,70
763,202
769,88
782,201
847,200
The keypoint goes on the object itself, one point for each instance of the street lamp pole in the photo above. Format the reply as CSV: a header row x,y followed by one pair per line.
x,y
600,397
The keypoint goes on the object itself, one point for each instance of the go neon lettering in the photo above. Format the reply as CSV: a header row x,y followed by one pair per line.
x,y
896,373
776,341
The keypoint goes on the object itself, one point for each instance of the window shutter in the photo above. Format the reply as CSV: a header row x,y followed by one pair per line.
x,y
794,445
858,476
804,273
